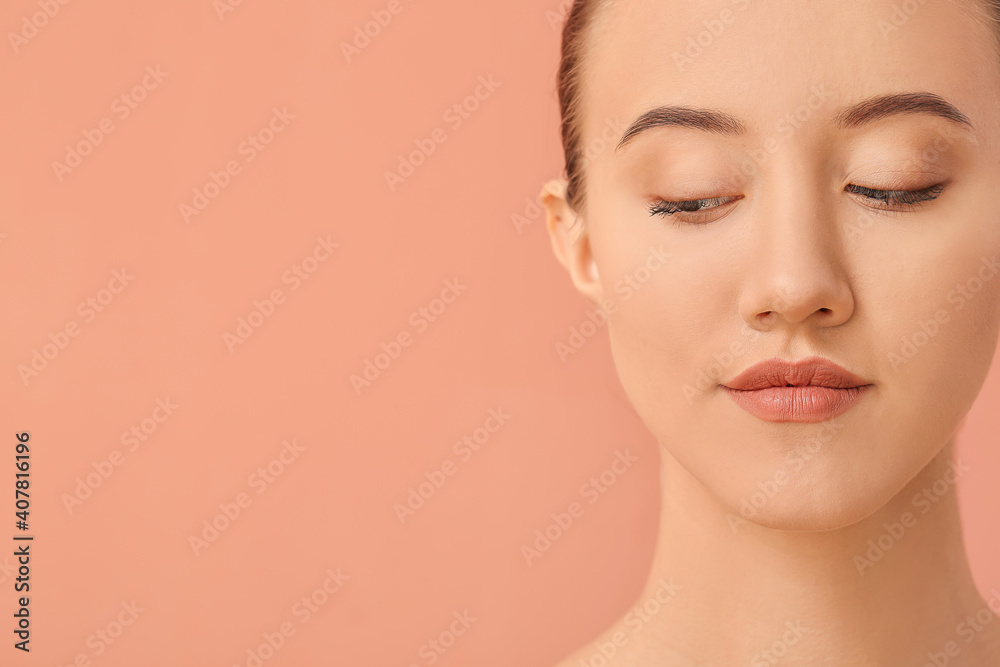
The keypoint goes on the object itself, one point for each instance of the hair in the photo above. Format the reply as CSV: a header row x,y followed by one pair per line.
x,y
574,49
576,46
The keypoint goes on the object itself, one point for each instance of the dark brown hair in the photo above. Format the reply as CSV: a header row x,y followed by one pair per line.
x,y
574,46
574,49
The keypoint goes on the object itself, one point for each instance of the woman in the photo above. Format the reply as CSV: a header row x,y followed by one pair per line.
x,y
806,191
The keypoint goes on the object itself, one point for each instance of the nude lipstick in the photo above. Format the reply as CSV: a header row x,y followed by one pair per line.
x,y
809,391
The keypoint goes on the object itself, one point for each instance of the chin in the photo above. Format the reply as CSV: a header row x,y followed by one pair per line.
x,y
813,511
812,477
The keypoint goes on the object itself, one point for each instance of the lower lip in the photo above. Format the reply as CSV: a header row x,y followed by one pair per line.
x,y
806,404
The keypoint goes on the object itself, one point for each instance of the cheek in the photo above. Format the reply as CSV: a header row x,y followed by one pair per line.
x,y
939,346
664,327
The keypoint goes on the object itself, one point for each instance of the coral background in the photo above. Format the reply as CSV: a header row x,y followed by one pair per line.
x,y
213,258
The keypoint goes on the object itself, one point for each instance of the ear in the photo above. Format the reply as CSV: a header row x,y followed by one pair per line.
x,y
570,240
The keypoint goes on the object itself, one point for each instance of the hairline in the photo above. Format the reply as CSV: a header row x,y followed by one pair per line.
x,y
985,13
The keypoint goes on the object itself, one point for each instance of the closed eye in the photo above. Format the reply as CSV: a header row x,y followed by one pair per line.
x,y
697,207
905,200
706,210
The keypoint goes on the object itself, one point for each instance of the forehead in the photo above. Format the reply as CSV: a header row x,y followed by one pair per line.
x,y
763,59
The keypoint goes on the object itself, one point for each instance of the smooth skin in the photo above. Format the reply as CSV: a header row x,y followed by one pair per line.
x,y
834,543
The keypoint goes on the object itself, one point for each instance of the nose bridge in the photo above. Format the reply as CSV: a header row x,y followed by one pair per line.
x,y
797,270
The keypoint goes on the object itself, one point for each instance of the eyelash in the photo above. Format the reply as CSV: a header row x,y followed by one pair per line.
x,y
907,199
892,201
668,209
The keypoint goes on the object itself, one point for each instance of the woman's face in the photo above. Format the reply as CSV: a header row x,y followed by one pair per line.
x,y
791,256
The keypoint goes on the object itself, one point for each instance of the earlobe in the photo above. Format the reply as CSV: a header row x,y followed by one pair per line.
x,y
570,240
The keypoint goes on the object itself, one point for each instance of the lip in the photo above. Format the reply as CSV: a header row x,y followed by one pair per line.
x,y
808,391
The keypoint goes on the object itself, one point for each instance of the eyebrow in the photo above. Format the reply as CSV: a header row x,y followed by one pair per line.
x,y
861,113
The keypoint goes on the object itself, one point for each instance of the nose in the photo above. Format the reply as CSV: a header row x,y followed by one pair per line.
x,y
798,274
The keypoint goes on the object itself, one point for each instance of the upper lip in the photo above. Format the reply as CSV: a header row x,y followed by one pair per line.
x,y
813,372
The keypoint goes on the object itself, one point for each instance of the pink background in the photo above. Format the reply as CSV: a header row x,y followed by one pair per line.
x,y
162,336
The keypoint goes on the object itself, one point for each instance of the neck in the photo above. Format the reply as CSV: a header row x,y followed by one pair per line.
x,y
894,588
